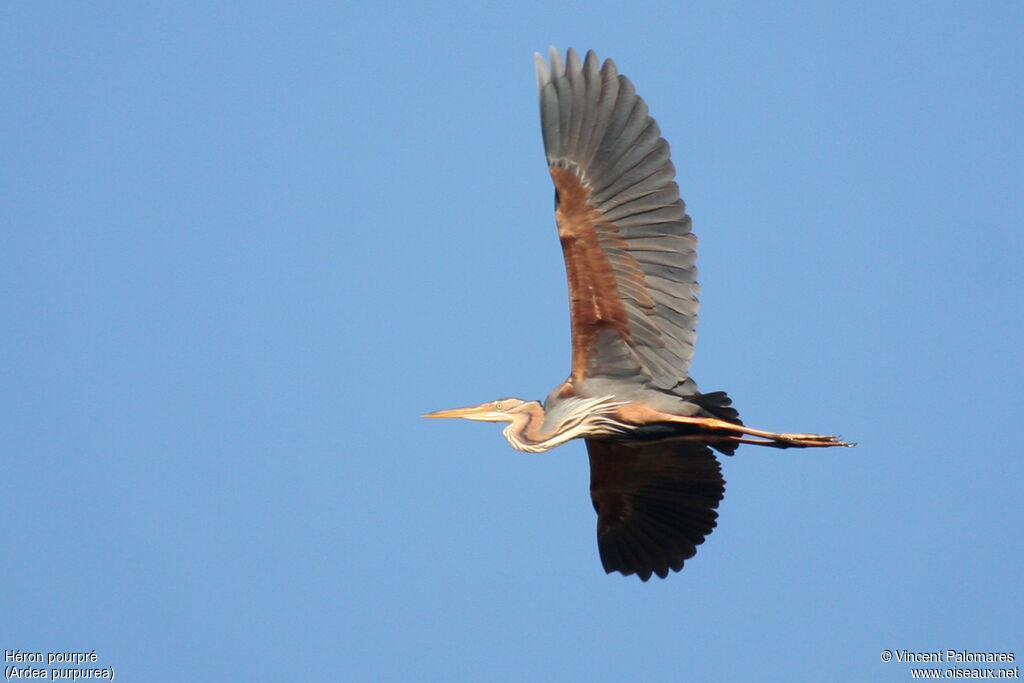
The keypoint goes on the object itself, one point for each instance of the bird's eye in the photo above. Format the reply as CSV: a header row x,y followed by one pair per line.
x,y
498,405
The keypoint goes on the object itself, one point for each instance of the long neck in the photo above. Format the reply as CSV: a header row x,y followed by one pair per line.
x,y
524,433
582,417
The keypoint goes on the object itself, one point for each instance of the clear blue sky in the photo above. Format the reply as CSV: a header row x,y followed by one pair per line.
x,y
243,247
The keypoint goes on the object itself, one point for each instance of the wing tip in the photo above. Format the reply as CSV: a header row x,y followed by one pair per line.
x,y
543,75
559,67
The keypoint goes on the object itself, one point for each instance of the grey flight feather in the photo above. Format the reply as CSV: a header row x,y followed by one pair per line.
x,y
595,125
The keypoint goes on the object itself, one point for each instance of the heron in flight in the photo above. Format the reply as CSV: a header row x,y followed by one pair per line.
x,y
630,259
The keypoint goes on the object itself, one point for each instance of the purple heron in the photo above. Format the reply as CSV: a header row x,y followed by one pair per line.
x,y
629,254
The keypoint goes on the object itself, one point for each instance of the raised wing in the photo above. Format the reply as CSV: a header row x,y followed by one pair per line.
x,y
655,502
629,252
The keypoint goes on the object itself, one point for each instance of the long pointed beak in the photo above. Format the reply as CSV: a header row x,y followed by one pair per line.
x,y
468,412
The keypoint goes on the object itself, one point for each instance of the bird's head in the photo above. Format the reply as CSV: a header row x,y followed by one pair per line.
x,y
502,410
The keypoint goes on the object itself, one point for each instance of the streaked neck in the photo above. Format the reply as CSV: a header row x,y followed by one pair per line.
x,y
582,417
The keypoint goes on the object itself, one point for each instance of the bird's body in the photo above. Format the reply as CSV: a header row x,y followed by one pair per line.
x,y
630,260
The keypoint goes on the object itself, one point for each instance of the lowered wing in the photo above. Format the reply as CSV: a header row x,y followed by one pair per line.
x,y
655,502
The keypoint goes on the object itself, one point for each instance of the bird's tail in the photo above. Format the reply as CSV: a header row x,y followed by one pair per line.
x,y
717,404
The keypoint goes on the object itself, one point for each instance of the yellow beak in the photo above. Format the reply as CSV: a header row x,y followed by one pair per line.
x,y
468,411
484,412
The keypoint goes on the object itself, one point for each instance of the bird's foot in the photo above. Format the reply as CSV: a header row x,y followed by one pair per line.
x,y
811,440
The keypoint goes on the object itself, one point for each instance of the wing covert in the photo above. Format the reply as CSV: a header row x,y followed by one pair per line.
x,y
629,251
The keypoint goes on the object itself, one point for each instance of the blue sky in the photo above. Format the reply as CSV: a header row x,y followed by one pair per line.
x,y
243,248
